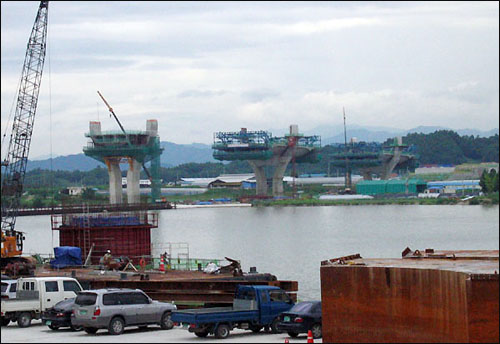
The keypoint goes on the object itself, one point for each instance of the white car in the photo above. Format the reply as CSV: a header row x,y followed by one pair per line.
x,y
9,289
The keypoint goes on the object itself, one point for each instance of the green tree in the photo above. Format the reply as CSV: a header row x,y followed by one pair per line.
x,y
482,181
37,202
88,194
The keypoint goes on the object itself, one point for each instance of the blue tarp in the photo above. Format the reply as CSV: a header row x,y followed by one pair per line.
x,y
66,256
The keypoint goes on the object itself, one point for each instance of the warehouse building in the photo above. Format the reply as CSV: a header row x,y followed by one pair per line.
x,y
393,186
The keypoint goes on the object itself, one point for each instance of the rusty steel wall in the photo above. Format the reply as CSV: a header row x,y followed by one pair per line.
x,y
483,310
390,304
133,242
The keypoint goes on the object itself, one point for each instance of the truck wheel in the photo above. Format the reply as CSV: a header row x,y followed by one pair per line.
x,y
5,321
274,326
166,321
316,331
201,334
116,326
90,330
24,319
222,331
255,328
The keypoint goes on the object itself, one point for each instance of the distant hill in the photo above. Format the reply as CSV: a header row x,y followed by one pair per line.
x,y
173,155
65,163
363,134
177,154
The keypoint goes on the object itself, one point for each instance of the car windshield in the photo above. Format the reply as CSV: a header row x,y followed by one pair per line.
x,y
4,287
302,307
86,299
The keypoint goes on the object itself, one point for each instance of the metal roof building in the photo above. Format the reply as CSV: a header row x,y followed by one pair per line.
x,y
394,186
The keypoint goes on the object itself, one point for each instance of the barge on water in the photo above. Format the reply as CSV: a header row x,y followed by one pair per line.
x,y
426,296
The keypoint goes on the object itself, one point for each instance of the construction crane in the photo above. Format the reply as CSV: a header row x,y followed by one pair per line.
x,y
14,165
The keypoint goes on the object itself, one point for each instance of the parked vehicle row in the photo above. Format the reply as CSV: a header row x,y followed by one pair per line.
x,y
61,302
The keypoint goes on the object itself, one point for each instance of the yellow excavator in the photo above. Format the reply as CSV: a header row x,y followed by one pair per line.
x,y
14,165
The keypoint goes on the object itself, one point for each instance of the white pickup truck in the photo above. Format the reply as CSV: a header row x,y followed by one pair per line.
x,y
34,295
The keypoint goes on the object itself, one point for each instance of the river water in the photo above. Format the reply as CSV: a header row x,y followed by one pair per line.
x,y
290,242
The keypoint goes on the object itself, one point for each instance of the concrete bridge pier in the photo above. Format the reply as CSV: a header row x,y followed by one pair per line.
x,y
115,180
392,163
260,176
133,179
279,172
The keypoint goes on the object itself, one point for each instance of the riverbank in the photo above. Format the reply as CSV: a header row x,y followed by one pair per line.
x,y
492,199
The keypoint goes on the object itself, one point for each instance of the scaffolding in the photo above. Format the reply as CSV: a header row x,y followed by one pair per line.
x,y
258,145
177,257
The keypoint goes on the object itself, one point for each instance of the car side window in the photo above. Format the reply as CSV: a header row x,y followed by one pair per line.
x,y
51,286
264,297
71,286
126,298
28,285
278,295
139,299
111,300
13,287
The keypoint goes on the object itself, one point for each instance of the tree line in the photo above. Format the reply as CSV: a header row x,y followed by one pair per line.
x,y
440,147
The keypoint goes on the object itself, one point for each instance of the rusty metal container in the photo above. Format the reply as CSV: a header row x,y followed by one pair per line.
x,y
428,296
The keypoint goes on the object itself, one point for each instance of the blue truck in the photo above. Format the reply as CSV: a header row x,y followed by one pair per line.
x,y
254,307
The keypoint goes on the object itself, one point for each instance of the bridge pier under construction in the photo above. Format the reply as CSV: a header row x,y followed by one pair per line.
x,y
136,148
264,152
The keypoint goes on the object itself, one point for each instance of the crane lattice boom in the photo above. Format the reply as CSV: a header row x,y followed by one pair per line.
x,y
22,128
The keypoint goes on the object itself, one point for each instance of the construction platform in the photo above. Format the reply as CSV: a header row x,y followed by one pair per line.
x,y
426,296
186,288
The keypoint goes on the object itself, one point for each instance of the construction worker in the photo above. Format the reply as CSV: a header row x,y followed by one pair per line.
x,y
107,257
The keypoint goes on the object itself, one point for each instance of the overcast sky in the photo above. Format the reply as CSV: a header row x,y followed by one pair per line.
x,y
202,67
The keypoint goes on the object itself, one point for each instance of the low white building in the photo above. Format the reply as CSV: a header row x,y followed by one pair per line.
x,y
75,190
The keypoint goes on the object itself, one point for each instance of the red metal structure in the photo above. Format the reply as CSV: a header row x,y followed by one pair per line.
x,y
125,234
426,297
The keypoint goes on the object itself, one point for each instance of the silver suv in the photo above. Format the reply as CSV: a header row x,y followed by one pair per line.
x,y
114,309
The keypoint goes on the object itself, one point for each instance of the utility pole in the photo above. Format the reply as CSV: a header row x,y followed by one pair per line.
x,y
347,172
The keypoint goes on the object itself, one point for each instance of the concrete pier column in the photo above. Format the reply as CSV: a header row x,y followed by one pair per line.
x,y
260,176
279,172
115,180
133,179
392,163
